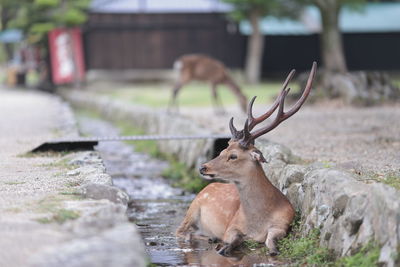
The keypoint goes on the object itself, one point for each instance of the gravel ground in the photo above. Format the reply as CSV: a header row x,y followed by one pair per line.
x,y
366,140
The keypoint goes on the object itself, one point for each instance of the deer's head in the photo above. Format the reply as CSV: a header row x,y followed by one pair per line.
x,y
241,156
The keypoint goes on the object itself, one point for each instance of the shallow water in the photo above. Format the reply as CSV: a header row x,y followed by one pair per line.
x,y
157,208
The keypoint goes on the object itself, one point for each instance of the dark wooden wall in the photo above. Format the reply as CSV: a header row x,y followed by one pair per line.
x,y
364,51
154,41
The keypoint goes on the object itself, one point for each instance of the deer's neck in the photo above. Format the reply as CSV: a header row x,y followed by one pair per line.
x,y
257,194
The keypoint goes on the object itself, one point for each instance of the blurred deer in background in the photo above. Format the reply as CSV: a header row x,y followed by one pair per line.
x,y
203,68
249,207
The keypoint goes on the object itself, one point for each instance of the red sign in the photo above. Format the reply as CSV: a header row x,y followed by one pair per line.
x,y
66,55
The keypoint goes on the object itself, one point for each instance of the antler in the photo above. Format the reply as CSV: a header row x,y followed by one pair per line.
x,y
246,138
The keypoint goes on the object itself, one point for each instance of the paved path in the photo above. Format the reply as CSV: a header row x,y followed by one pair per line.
x,y
366,140
26,119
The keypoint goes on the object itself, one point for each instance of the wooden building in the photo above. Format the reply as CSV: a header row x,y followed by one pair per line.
x,y
152,34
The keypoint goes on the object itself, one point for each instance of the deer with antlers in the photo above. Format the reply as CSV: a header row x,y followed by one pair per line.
x,y
249,206
203,68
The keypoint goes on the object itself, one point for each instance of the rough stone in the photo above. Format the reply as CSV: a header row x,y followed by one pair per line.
x,y
101,191
114,247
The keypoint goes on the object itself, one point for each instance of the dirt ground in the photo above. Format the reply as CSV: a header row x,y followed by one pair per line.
x,y
363,139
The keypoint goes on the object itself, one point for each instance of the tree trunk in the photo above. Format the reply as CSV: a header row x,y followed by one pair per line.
x,y
331,39
255,48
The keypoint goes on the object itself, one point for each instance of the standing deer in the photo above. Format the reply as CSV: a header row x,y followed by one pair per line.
x,y
249,207
203,68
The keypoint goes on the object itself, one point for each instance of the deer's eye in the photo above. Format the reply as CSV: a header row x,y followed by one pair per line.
x,y
232,157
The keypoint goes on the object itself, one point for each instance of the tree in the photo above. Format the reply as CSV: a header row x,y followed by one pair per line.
x,y
253,11
331,38
364,88
36,18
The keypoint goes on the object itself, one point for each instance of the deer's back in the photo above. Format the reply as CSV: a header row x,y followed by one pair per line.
x,y
203,68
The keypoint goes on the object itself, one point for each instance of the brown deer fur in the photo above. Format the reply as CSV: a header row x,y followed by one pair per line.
x,y
250,206
203,68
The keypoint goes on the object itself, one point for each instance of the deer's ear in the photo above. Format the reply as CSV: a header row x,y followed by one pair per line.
x,y
257,155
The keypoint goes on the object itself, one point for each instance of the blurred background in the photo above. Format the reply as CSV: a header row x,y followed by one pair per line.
x,y
50,43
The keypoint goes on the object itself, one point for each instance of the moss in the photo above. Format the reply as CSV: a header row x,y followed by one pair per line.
x,y
392,178
14,183
60,216
69,193
53,206
74,183
60,164
44,154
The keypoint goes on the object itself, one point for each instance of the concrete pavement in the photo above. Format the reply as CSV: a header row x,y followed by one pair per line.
x,y
43,219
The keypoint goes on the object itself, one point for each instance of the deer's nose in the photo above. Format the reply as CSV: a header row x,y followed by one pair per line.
x,y
203,169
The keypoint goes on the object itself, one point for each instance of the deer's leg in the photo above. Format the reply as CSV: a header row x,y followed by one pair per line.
x,y
216,100
175,91
232,239
189,222
274,234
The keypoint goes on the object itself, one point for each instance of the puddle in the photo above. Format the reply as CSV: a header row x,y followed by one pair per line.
x,y
157,208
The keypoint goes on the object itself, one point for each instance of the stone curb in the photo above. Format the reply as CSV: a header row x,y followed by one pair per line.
x,y
349,213
102,236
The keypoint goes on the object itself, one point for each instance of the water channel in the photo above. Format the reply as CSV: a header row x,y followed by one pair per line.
x,y
156,207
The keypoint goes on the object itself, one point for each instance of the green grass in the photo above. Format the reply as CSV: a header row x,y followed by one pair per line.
x,y
392,180
195,94
367,256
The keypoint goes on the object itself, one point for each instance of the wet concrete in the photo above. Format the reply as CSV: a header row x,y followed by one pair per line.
x,y
156,207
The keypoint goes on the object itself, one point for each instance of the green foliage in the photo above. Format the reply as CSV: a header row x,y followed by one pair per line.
x,y
182,176
368,256
38,17
46,3
74,16
304,250
252,245
243,9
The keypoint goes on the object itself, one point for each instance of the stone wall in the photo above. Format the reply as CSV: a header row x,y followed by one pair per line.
x,y
349,213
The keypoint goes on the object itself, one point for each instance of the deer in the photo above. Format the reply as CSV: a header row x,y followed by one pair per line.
x,y
245,205
203,68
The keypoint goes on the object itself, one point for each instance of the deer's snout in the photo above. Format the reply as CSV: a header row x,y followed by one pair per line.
x,y
203,169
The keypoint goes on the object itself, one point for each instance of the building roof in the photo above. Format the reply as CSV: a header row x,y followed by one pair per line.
x,y
373,17
158,6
